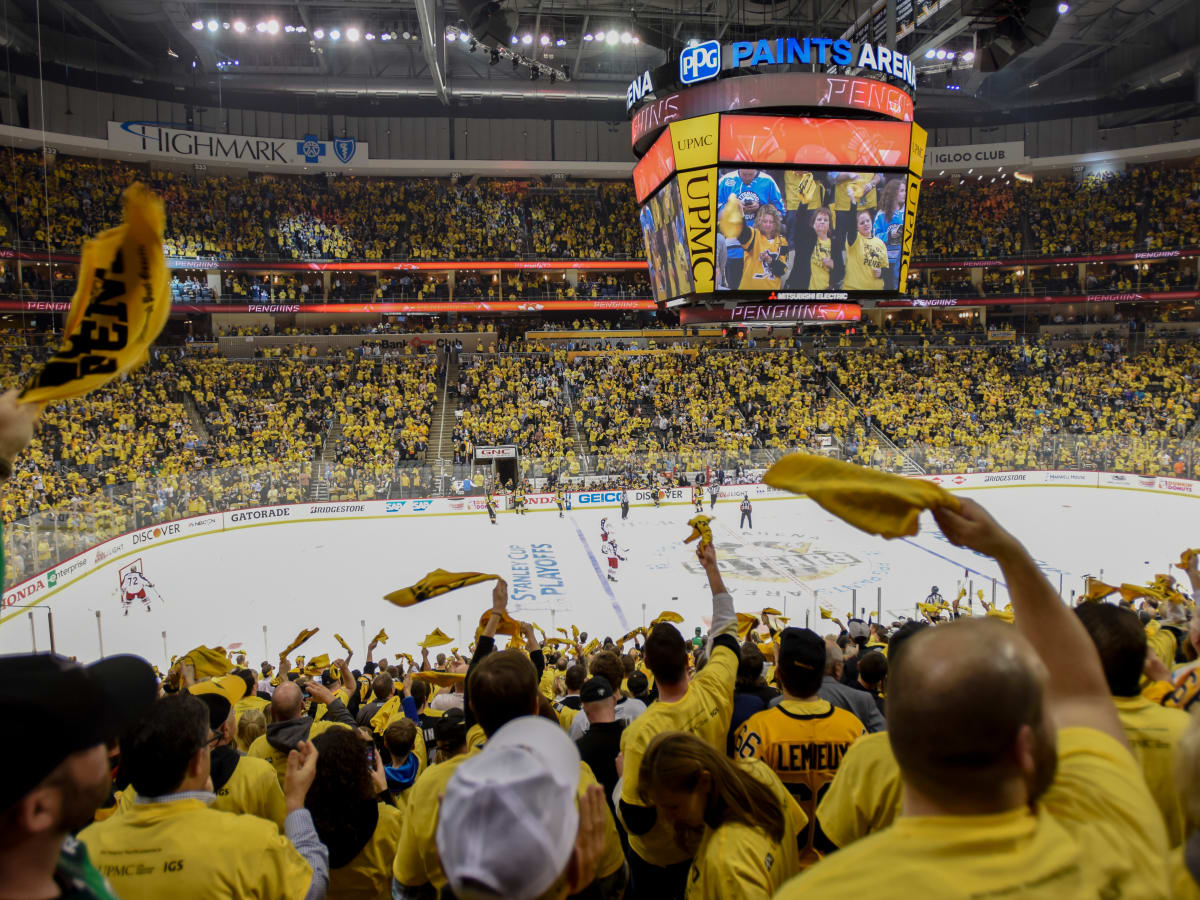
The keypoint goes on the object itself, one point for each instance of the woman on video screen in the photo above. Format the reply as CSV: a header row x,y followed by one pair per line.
x,y
866,255
767,255
811,239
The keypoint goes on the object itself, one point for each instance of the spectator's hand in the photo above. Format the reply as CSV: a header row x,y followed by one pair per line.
x,y
750,206
589,842
878,271
1155,669
531,642
16,424
500,597
707,555
319,692
378,777
827,262
301,770
975,529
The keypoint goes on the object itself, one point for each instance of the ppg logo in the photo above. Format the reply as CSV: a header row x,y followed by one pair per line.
x,y
700,62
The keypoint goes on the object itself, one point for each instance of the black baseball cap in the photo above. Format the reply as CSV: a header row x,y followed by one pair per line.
x,y
594,689
61,707
803,648
451,727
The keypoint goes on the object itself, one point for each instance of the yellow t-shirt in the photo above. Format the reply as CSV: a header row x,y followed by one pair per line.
x,y
253,788
841,195
183,849
740,862
1153,733
704,711
754,276
254,702
547,684
417,861
804,743
866,795
864,255
369,874
262,750
802,191
1096,833
566,715
818,279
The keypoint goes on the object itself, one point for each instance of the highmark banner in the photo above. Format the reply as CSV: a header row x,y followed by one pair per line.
x,y
166,139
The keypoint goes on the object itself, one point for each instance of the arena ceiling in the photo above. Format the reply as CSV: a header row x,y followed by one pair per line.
x,y
1134,59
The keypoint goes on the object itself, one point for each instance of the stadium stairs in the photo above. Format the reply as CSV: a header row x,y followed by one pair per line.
x,y
909,466
321,464
440,452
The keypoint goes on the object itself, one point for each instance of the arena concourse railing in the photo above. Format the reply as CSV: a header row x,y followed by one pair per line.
x,y
42,541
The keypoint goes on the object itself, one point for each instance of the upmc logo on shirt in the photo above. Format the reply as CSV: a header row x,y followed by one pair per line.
x,y
699,63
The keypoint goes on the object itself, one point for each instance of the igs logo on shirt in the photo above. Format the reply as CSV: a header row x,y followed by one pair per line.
x,y
699,63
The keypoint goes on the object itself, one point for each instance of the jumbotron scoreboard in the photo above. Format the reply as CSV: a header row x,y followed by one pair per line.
x,y
786,195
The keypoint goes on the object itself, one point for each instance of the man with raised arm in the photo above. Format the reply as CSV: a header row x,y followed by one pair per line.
x,y
1017,780
703,707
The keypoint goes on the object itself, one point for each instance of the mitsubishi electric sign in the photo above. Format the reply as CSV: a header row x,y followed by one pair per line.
x,y
163,139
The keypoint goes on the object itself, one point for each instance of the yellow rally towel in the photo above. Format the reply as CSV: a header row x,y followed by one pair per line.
x,y
575,633
121,303
436,638
1131,592
508,625
745,624
1186,557
341,640
364,688
667,616
380,638
930,609
1006,614
208,661
555,642
771,611
875,502
441,679
826,613
231,687
700,529
592,646
391,706
300,639
317,664
408,657
628,637
563,632
515,643
436,583
1097,590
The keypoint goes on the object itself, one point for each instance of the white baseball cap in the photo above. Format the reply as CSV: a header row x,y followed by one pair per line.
x,y
509,817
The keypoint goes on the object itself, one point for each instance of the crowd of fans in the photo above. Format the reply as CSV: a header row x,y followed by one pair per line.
x,y
1150,207
1039,750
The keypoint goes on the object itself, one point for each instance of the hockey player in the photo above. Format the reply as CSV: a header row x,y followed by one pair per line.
x,y
614,559
746,521
133,587
558,501
655,493
624,504
605,534
519,500
698,498
713,490
490,502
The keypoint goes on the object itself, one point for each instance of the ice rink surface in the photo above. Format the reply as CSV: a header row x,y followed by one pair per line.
x,y
225,588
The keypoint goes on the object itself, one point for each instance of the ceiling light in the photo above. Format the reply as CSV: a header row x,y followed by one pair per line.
x,y
929,54
289,28
273,26
544,40
943,172
300,29
1063,9
949,54
319,33
225,25
407,35
588,37
970,171
941,54
969,55
261,27
239,26
527,39
511,40
452,36
213,25
612,37
626,37
692,42
198,25
335,35
370,36
353,34
171,53
560,43
636,39
386,36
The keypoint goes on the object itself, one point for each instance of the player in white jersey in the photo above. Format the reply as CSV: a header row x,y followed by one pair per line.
x,y
614,557
133,587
